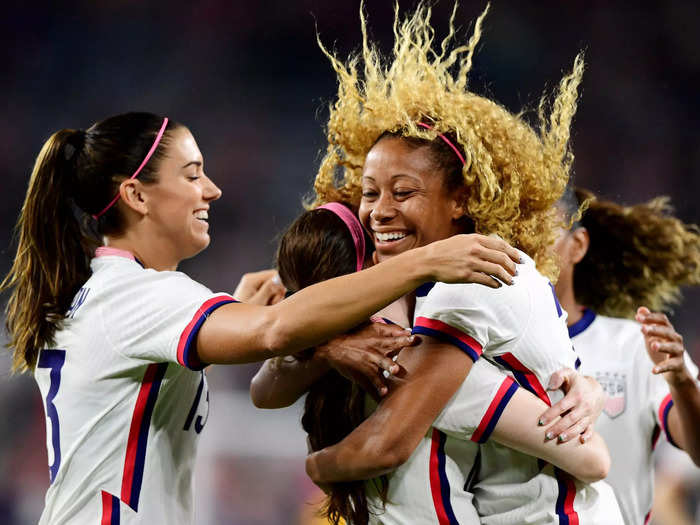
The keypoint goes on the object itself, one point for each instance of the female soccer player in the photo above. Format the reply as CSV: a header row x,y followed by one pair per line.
x,y
614,259
327,242
425,159
117,342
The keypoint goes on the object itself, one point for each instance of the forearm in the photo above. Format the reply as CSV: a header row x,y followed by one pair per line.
x,y
517,428
684,418
351,459
282,380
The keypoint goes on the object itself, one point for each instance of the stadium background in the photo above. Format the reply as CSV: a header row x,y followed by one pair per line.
x,y
250,82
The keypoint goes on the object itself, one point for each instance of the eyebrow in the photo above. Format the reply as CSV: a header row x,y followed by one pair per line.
x,y
193,162
398,175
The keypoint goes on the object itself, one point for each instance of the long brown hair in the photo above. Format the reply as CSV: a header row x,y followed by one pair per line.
x,y
76,173
638,255
316,247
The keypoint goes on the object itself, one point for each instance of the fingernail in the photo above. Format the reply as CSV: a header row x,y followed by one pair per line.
x,y
562,437
411,338
394,369
655,370
583,439
522,260
549,436
516,270
395,358
276,279
386,374
540,422
383,390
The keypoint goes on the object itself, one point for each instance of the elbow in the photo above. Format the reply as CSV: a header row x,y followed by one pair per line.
x,y
265,395
597,468
277,333
388,454
258,395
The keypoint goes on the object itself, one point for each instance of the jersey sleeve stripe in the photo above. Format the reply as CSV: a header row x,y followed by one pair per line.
x,y
523,375
565,499
664,409
493,413
439,484
189,334
449,334
110,509
138,434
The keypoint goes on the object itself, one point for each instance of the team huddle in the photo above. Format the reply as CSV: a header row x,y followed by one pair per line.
x,y
447,379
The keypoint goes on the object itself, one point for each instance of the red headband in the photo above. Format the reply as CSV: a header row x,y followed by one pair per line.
x,y
353,224
138,170
447,141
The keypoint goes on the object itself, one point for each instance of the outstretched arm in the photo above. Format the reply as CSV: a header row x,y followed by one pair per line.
x,y
666,350
241,333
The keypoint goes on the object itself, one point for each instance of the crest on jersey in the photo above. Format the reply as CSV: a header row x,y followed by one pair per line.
x,y
614,384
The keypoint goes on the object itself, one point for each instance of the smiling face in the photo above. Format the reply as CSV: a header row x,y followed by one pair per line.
x,y
178,203
405,202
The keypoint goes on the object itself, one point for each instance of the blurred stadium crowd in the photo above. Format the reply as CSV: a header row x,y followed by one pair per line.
x,y
250,82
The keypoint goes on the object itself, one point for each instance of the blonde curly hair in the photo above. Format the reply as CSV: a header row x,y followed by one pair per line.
x,y
638,255
513,174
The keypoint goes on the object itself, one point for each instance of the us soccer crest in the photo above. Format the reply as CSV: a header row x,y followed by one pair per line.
x,y
614,385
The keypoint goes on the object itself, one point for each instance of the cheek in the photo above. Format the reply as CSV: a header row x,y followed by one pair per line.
x,y
363,213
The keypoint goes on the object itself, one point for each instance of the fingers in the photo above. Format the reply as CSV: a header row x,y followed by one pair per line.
x,y
667,347
647,317
569,427
559,378
675,364
499,244
661,331
269,290
558,409
251,282
587,434
482,278
493,270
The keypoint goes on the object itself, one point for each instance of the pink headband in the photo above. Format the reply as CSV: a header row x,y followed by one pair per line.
x,y
447,141
358,235
138,170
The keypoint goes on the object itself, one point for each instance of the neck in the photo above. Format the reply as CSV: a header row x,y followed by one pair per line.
x,y
567,300
400,311
151,251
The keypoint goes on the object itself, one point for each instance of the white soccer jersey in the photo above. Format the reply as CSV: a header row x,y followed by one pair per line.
x,y
636,411
430,487
522,328
124,396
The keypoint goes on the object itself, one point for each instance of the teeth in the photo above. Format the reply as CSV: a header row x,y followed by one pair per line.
x,y
202,214
390,236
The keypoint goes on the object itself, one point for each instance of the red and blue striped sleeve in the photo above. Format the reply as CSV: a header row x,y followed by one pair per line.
x,y
449,334
186,352
488,422
664,410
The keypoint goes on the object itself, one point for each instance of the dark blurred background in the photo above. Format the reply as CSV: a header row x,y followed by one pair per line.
x,y
252,85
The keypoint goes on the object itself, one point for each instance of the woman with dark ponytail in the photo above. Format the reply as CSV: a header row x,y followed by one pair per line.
x,y
620,263
117,339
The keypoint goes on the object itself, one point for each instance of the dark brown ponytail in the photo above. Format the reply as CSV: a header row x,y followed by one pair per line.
x,y
316,247
75,175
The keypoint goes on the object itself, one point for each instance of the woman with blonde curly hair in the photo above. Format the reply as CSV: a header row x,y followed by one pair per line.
x,y
424,159
615,258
